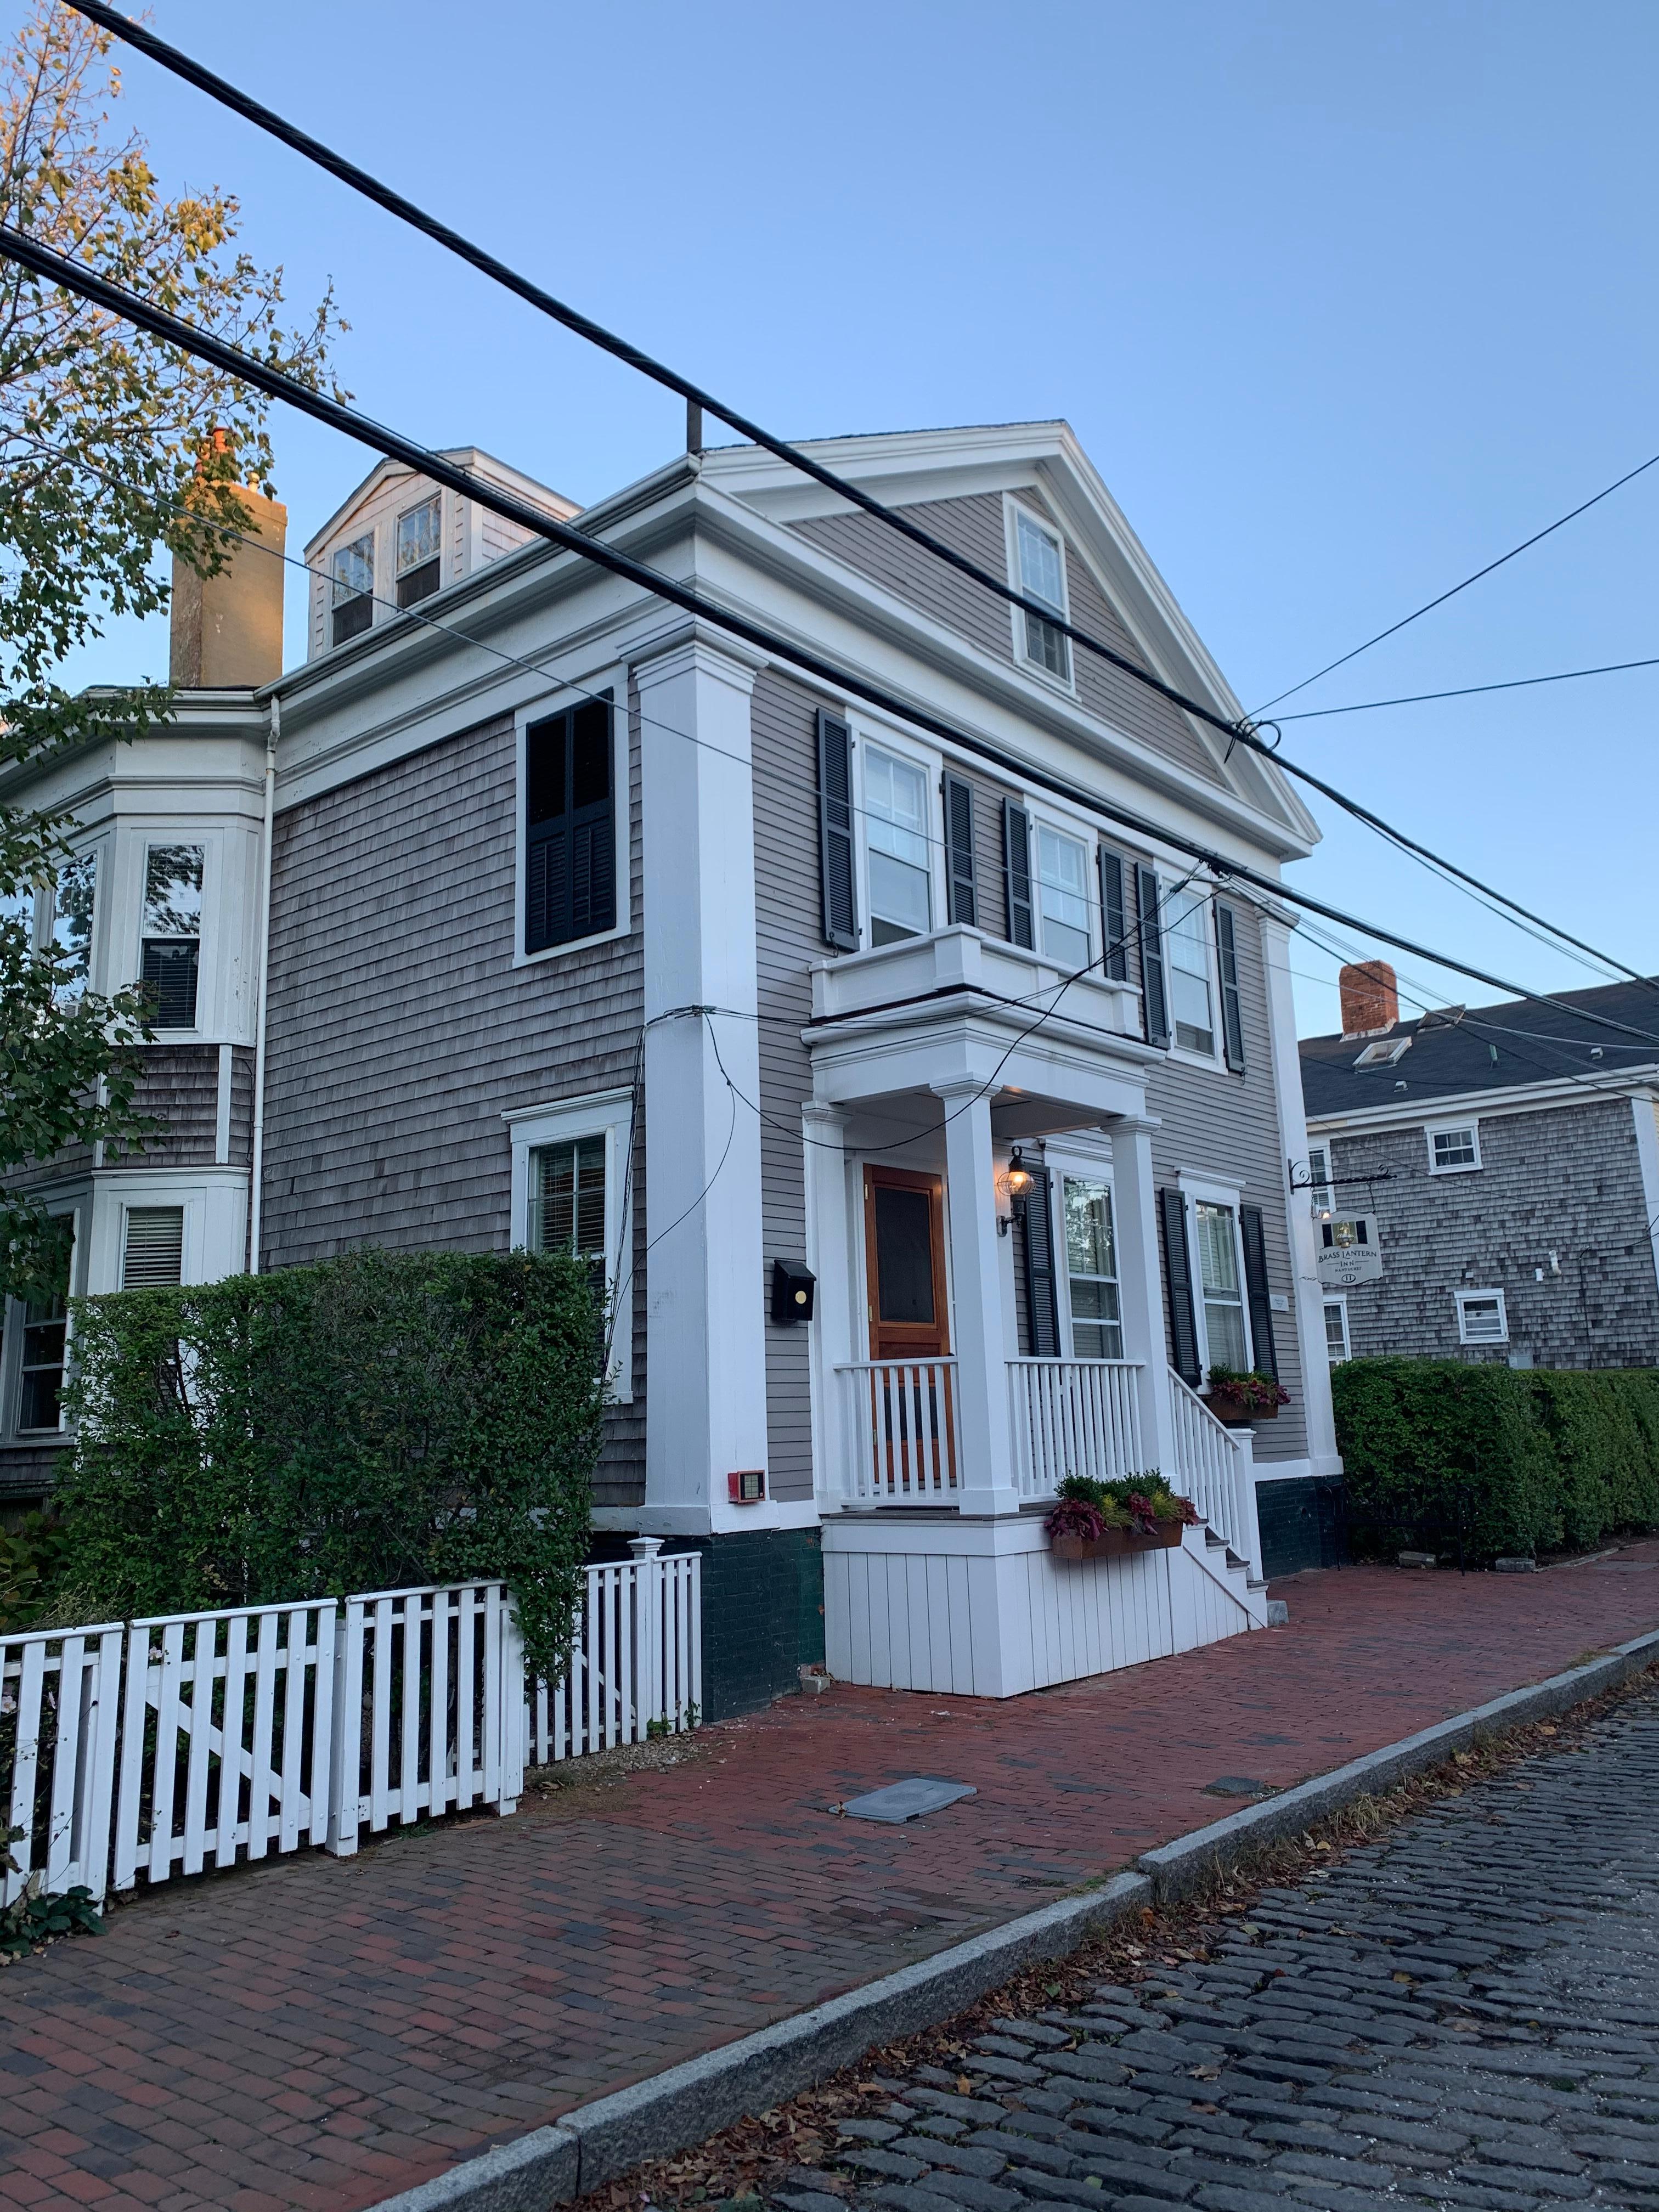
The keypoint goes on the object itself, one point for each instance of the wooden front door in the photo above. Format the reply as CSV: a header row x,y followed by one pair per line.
x,y
905,1264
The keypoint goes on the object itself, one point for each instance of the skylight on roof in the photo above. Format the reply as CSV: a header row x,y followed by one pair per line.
x,y
1384,1053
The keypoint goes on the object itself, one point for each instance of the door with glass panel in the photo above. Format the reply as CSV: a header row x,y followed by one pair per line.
x,y
912,1435
1216,1235
1091,1269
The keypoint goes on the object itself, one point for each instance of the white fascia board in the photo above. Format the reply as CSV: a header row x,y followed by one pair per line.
x,y
1521,1098
910,467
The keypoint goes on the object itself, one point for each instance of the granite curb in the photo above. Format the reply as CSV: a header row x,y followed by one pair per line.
x,y
685,2104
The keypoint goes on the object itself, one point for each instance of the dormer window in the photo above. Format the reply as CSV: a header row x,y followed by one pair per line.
x,y
418,563
353,587
1042,578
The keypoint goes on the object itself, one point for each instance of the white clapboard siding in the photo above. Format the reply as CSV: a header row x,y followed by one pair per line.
x,y
429,1707
60,1692
225,1730
636,1664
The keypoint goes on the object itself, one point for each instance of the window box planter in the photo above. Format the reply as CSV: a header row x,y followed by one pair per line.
x,y
1115,1543
1237,1399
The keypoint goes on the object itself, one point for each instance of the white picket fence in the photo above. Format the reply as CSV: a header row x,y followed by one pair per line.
x,y
189,1741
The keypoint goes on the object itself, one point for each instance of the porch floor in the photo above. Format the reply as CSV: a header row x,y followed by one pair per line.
x,y
322,2032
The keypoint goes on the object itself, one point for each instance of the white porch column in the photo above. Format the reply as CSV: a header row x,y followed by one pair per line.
x,y
984,1455
829,1254
1322,1455
705,1312
1140,1277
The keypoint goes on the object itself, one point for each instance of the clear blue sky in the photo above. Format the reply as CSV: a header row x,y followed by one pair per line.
x,y
1342,300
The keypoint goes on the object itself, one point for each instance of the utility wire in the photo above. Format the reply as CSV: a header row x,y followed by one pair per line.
x,y
1237,732
1463,691
27,253
1441,598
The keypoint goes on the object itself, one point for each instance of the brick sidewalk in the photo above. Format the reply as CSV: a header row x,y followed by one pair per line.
x,y
322,2032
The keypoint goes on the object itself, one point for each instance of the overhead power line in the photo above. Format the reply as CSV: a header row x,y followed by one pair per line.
x,y
1465,690
1237,732
1440,597
27,253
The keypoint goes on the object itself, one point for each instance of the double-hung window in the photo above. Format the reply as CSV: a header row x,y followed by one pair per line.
x,y
569,827
418,564
1042,578
1092,1268
1187,940
1216,1232
896,847
571,1194
74,904
40,1403
566,1200
1453,1148
1336,1330
1062,895
170,965
352,588
1319,1179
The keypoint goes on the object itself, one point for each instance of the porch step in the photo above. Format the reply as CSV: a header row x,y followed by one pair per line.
x,y
1257,1582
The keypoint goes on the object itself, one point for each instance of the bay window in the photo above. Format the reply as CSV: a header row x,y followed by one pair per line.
x,y
170,962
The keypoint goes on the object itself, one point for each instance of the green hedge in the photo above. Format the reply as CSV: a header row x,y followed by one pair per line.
x,y
373,1422
1512,1462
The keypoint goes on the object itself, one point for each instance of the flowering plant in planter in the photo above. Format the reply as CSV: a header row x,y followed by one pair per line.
x,y
1133,1513
1235,1396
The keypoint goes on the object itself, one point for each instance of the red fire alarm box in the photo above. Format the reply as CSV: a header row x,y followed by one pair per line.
x,y
747,1486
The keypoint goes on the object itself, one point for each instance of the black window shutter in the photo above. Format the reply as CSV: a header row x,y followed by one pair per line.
x,y
1154,999
1232,1022
1017,873
1178,1286
841,912
1041,1302
1111,914
570,826
962,904
1255,1291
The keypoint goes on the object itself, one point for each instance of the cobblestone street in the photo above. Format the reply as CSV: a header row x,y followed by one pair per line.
x,y
1466,2013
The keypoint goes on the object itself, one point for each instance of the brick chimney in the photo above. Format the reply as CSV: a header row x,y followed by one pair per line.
x,y
1370,997
227,629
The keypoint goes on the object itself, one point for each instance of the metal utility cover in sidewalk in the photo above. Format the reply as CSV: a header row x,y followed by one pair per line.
x,y
904,1800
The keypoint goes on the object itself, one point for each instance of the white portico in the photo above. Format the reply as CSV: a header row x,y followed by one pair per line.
x,y
938,1443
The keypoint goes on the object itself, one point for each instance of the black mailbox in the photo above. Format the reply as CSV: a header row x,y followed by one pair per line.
x,y
792,1290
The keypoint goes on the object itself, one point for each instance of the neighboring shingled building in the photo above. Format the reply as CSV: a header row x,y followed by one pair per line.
x,y
1508,1158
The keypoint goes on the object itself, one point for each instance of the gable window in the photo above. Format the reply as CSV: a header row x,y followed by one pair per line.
x,y
1186,953
1336,1331
569,827
1481,1317
1092,1268
896,848
418,564
171,960
1215,1230
1042,578
1063,898
1453,1148
152,1247
352,587
75,900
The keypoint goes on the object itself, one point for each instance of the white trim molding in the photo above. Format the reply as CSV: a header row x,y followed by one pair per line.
x,y
610,1114
1465,1298
1465,1125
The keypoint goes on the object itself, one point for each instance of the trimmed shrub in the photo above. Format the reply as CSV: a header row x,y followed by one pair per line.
x,y
1440,1453
374,1422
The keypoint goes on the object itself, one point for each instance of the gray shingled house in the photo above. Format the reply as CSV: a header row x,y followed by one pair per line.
x,y
931,1135
1503,1162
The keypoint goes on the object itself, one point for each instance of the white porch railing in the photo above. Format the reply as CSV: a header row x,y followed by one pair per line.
x,y
1215,1467
899,1419
1072,1417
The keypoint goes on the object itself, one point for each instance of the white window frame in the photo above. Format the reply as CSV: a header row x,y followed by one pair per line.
x,y
1040,815
564,695
209,947
1202,1190
1012,509
1319,1185
930,765
1454,1128
1167,881
79,1208
1079,1159
610,1114
1464,1299
1339,1299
